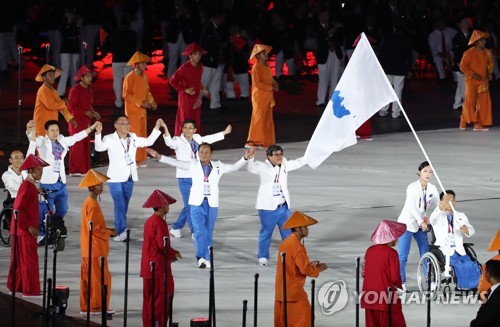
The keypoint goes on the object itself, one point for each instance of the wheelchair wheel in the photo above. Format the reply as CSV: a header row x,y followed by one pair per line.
x,y
5,217
427,263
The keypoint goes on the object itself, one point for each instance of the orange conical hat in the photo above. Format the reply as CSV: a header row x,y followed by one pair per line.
x,y
158,199
478,35
259,48
495,242
299,219
33,161
388,231
93,178
137,58
47,68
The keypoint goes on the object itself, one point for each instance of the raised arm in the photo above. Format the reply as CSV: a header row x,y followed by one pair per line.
x,y
249,153
143,142
185,165
100,146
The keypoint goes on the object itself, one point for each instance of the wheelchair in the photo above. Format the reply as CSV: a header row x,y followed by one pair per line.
x,y
434,262
5,218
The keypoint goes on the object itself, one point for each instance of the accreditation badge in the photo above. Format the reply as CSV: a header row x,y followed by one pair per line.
x,y
206,188
276,189
128,160
57,166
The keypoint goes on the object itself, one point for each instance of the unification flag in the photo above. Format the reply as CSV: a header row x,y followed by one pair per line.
x,y
362,90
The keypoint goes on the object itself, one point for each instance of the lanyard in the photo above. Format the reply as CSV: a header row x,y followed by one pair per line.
x,y
277,176
206,171
128,144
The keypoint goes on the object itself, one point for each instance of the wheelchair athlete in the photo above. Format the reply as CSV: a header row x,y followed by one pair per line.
x,y
449,228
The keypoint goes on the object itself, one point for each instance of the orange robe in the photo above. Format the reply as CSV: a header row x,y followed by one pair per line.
x,y
262,124
477,103
135,91
91,211
297,268
48,104
484,285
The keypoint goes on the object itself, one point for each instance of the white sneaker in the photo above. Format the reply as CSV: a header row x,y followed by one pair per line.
x,y
207,263
404,289
262,262
176,233
121,238
433,286
202,263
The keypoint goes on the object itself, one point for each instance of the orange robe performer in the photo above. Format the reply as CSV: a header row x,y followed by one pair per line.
x,y
381,271
261,132
155,234
298,267
91,211
137,99
27,271
48,104
484,285
477,65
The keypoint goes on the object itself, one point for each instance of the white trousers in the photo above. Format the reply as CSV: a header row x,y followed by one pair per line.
x,y
211,79
120,70
460,91
397,82
329,75
243,82
174,52
69,66
280,62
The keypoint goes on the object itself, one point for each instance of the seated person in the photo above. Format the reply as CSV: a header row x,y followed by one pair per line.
x,y
449,227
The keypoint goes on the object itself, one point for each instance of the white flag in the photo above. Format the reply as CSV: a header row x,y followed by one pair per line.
x,y
362,90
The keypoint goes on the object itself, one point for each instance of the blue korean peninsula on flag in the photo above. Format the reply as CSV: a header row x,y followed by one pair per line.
x,y
362,90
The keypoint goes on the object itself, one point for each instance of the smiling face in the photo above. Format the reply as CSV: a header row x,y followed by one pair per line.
x,y
188,130
426,174
122,126
204,153
16,159
276,158
52,132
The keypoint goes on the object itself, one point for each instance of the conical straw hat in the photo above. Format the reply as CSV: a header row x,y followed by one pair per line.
x,y
93,178
158,199
299,219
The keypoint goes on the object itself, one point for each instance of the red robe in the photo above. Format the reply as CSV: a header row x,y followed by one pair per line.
x,y
155,229
189,106
91,211
380,271
80,101
27,272
298,268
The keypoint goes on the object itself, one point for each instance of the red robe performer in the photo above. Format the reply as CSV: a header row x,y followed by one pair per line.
x,y
187,82
155,232
80,105
381,271
91,211
27,271
138,99
298,267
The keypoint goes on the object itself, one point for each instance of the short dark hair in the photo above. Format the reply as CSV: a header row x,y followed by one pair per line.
x,y
189,121
423,165
14,151
120,116
210,146
447,192
273,148
493,268
49,123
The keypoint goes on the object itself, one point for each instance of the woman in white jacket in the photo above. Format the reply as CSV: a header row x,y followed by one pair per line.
x,y
420,196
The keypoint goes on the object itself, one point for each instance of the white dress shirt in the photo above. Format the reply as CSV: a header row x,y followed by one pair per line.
x,y
183,150
119,170
196,195
414,209
269,175
44,147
